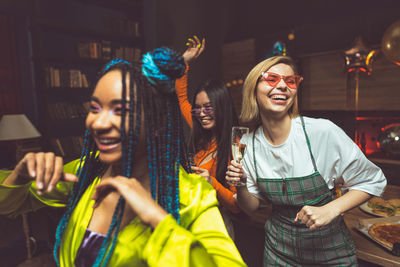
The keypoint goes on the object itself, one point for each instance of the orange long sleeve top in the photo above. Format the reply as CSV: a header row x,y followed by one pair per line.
x,y
224,195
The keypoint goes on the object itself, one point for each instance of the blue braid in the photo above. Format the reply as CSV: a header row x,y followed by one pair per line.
x,y
151,148
161,67
87,158
117,227
175,184
133,142
123,116
115,62
115,223
168,160
151,71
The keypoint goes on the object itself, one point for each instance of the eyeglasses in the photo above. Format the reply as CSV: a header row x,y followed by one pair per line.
x,y
292,81
206,110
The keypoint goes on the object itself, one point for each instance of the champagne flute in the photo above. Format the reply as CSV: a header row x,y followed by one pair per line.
x,y
192,159
238,149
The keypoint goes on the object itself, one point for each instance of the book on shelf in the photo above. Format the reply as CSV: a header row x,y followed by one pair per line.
x,y
128,53
121,26
73,78
83,49
105,50
66,111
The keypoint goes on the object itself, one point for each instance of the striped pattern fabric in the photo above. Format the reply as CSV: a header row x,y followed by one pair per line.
x,y
293,244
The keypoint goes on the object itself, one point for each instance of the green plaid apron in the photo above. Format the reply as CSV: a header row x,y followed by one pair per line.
x,y
293,244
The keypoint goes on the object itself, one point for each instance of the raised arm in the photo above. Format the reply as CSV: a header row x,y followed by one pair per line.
x,y
181,92
195,48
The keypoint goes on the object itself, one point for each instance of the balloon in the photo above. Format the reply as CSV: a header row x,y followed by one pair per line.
x,y
278,49
391,43
389,139
356,56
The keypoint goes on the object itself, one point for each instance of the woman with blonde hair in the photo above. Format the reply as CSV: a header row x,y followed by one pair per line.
x,y
293,162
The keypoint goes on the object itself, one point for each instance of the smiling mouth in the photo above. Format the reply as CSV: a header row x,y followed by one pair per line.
x,y
107,144
205,120
279,97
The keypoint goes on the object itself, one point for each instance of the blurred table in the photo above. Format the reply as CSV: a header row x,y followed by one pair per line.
x,y
367,249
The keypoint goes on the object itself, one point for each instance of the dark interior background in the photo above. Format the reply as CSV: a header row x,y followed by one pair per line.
x,y
319,27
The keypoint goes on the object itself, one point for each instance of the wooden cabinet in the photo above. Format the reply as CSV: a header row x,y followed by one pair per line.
x,y
327,86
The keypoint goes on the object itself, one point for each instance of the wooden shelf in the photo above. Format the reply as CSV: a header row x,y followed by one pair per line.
x,y
58,27
73,94
59,41
75,60
131,7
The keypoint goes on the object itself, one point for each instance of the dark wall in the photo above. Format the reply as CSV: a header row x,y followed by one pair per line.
x,y
319,26
19,11
172,22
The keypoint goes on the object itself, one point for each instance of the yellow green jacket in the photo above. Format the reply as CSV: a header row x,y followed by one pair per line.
x,y
199,240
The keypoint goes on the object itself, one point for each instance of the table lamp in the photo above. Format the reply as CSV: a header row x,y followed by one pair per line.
x,y
17,127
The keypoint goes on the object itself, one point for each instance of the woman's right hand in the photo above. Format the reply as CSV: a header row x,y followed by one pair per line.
x,y
45,168
235,173
195,48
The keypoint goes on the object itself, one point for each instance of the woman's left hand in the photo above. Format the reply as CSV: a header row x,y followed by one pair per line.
x,y
315,217
194,50
135,195
204,173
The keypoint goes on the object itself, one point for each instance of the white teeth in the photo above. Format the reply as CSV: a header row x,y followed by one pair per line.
x,y
108,141
279,97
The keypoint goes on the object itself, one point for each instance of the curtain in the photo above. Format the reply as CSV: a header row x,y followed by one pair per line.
x,y
10,90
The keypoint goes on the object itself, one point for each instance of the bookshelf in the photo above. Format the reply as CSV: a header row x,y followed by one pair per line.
x,y
71,42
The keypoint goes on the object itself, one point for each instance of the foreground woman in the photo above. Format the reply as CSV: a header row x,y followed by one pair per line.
x,y
132,202
294,162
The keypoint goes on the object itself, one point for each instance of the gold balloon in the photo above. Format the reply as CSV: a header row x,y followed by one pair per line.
x,y
391,43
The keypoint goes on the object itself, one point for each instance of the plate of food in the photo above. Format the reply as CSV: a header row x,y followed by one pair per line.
x,y
384,231
380,207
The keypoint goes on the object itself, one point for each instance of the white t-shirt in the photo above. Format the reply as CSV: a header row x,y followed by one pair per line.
x,y
335,154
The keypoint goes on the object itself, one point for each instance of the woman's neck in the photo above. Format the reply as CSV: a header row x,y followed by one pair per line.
x,y
276,130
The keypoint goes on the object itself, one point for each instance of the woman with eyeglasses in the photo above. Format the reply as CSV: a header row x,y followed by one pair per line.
x,y
211,116
135,202
293,162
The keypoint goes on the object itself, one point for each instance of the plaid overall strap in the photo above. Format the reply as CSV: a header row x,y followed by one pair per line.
x,y
308,143
294,244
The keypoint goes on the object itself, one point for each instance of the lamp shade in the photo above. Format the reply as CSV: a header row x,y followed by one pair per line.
x,y
17,127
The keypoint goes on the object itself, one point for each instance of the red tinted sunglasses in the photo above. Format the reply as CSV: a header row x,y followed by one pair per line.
x,y
292,81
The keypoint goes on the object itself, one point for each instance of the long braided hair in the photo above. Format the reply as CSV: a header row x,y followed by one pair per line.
x,y
151,90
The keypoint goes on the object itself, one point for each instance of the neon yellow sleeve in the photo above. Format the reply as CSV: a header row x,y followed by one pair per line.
x,y
19,199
